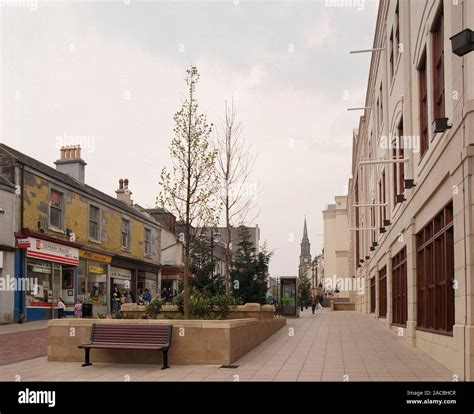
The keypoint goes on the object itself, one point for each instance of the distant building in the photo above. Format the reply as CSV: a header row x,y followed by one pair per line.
x,y
305,252
336,246
254,233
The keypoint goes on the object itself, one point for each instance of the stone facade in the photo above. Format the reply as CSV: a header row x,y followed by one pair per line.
x,y
403,99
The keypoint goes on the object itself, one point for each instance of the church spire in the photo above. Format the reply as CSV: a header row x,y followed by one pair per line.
x,y
305,231
305,255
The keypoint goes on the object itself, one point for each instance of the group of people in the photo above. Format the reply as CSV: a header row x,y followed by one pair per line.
x,y
62,308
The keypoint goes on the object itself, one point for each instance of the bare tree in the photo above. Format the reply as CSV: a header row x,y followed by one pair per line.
x,y
234,167
189,189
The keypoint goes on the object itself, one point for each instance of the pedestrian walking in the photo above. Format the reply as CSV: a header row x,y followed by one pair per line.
x,y
314,300
78,309
147,296
116,296
61,308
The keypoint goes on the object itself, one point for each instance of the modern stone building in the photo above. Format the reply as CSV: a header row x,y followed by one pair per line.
x,y
336,247
76,241
411,193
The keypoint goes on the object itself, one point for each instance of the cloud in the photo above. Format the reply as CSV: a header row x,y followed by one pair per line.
x,y
115,75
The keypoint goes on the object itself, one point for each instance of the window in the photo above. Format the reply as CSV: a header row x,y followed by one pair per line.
x,y
381,109
147,242
435,273
125,233
437,35
423,92
399,288
357,223
396,27
383,292
401,155
382,200
398,152
372,295
392,64
56,209
94,222
372,223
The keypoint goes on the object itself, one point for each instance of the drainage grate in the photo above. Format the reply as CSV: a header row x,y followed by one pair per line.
x,y
229,366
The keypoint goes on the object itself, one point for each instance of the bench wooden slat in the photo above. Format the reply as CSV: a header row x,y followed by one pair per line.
x,y
145,337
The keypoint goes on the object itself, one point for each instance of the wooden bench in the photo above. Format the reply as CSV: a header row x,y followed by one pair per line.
x,y
117,336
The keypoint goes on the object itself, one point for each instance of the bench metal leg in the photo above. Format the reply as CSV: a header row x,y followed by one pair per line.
x,y
86,357
165,360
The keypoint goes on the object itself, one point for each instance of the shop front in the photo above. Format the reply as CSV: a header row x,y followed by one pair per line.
x,y
92,286
147,280
50,269
120,278
172,277
134,275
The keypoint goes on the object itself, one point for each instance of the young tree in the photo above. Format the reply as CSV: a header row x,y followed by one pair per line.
x,y
304,288
234,167
189,188
203,267
249,271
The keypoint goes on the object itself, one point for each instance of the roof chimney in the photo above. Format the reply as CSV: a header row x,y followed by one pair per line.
x,y
71,163
123,193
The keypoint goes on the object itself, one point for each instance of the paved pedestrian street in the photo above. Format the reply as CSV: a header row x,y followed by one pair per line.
x,y
328,346
19,342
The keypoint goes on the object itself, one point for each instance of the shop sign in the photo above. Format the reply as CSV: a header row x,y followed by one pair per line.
x,y
23,243
117,273
37,268
95,256
53,252
96,269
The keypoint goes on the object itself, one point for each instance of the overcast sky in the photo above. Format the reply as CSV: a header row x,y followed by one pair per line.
x,y
109,75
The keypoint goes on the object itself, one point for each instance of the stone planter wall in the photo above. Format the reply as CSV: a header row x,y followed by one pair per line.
x,y
214,342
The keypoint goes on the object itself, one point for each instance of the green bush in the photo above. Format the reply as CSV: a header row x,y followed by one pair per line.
x,y
205,306
153,309
223,304
200,305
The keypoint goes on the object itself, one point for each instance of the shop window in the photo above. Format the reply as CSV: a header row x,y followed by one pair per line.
x,y
399,288
435,273
147,242
56,209
423,104
94,223
383,292
125,234
372,295
437,35
39,293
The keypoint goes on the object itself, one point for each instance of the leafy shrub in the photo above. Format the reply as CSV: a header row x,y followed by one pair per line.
x,y
153,309
222,305
200,305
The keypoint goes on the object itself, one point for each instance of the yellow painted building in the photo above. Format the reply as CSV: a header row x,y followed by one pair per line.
x,y
76,241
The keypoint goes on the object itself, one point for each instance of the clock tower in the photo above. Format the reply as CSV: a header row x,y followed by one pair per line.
x,y
305,255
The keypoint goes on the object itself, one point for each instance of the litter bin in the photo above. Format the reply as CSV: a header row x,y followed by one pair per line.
x,y
87,310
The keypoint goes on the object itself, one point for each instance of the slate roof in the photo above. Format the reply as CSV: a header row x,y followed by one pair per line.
x,y
70,181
